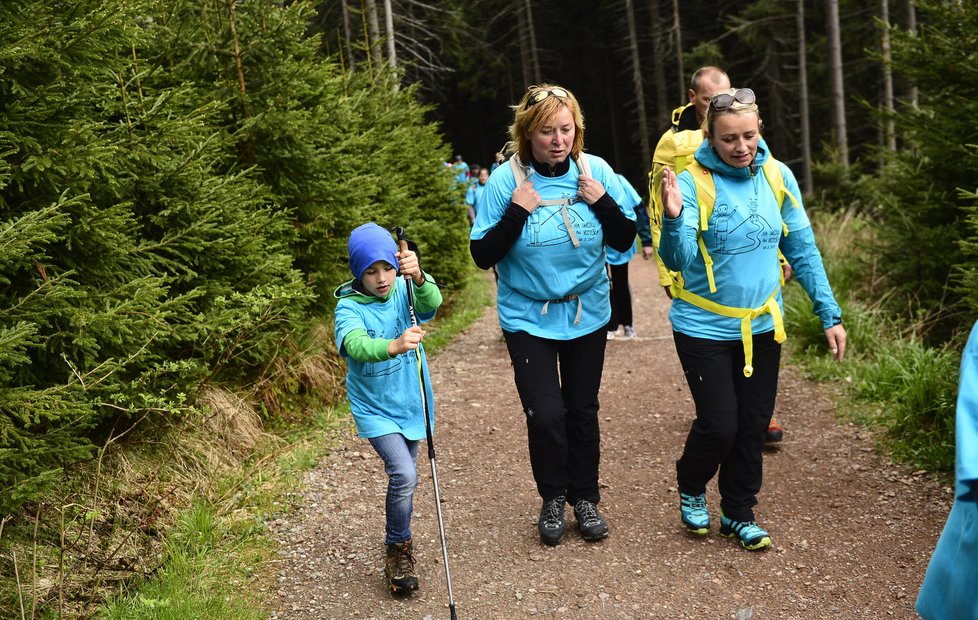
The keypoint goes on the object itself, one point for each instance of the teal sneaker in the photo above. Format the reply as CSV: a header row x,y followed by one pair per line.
x,y
692,511
752,537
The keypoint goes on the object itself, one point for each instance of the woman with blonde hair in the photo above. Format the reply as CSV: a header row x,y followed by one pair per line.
x,y
726,311
546,218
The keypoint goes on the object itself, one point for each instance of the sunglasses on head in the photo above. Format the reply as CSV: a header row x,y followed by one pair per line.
x,y
724,100
540,95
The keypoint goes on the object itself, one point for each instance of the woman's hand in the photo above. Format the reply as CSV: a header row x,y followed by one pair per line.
x,y
408,265
836,335
409,341
526,196
589,188
672,198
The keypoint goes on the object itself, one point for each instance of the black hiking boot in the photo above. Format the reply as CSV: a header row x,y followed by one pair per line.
x,y
399,568
552,524
589,520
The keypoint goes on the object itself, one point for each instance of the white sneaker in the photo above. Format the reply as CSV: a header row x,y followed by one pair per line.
x,y
629,331
611,335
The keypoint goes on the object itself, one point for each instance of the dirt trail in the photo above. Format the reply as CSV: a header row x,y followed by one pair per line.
x,y
852,532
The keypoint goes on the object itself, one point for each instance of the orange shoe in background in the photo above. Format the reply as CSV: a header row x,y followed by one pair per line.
x,y
775,432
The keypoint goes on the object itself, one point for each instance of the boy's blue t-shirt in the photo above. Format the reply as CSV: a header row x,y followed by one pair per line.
x,y
633,200
543,264
385,396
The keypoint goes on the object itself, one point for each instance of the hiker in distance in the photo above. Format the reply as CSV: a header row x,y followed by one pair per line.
x,y
545,219
621,292
373,334
727,318
675,150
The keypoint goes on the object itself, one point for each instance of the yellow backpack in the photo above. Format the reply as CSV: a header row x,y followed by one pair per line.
x,y
674,150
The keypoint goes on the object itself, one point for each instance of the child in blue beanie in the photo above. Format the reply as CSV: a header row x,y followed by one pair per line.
x,y
373,333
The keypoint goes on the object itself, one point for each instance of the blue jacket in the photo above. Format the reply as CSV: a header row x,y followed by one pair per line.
x,y
743,237
948,590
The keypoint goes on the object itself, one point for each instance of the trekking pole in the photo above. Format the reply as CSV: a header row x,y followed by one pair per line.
x,y
402,246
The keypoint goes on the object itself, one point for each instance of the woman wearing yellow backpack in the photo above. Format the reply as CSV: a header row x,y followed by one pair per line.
x,y
725,218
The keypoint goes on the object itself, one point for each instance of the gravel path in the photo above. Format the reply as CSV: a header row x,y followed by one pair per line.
x,y
852,532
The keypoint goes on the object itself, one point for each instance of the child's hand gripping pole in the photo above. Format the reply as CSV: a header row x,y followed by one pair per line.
x,y
402,245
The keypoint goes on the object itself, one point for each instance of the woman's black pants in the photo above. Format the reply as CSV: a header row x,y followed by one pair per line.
x,y
558,383
732,414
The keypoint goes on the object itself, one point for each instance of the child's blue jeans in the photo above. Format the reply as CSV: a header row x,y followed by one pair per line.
x,y
400,457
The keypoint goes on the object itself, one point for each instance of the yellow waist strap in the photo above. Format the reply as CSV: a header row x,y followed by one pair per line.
x,y
746,315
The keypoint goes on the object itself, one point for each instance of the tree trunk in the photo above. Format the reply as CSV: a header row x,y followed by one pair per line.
x,y
389,23
835,82
373,32
806,128
245,149
643,121
889,125
534,54
659,66
523,32
911,10
677,25
348,35
612,106
238,63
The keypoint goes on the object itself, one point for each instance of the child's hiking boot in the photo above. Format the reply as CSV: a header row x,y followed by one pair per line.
x,y
611,335
630,331
589,520
751,536
774,432
399,568
552,524
693,513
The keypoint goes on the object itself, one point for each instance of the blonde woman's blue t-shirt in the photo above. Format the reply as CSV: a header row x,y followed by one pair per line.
x,y
543,265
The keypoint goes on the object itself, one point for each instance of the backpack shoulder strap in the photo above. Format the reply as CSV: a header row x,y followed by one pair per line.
x,y
519,170
775,178
521,173
583,165
706,195
706,191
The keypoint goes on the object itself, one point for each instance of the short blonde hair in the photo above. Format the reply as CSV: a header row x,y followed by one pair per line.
x,y
735,107
528,118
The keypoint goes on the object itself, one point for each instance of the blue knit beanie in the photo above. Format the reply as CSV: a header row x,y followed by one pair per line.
x,y
368,244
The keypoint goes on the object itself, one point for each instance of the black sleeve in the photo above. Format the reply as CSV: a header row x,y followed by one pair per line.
x,y
500,238
619,231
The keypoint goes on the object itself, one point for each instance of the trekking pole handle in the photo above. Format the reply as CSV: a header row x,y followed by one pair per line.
x,y
402,246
